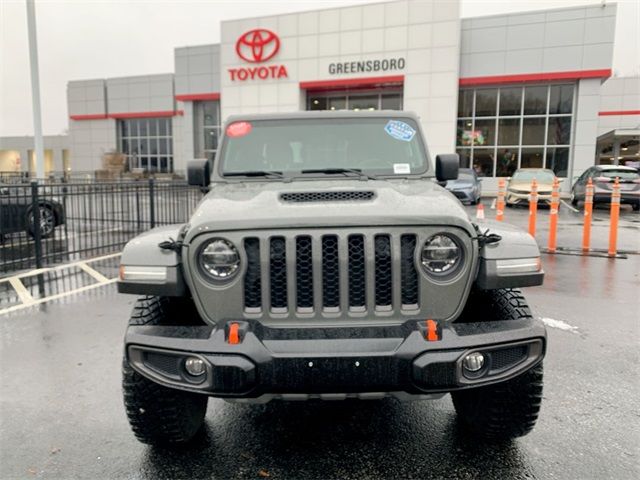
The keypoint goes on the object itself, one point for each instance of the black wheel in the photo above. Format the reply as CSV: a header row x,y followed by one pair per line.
x,y
509,409
159,415
636,207
47,222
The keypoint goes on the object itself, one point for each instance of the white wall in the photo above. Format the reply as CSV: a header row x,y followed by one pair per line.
x,y
558,40
424,32
197,69
619,94
89,140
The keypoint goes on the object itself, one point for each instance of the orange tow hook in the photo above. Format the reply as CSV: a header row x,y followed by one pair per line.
x,y
434,333
234,334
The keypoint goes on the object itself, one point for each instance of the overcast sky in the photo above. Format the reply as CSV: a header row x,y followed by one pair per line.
x,y
85,39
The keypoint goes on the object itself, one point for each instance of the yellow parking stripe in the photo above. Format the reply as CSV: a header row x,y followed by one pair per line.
x,y
23,293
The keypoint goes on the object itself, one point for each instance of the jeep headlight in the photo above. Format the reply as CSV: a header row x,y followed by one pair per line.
x,y
219,259
441,254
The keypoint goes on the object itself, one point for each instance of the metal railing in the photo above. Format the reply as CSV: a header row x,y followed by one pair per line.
x,y
47,223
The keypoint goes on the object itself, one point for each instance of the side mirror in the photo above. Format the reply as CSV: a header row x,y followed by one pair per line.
x,y
447,166
198,172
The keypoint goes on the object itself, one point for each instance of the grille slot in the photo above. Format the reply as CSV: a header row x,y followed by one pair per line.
x,y
252,280
340,196
356,272
408,273
278,274
304,273
330,272
163,363
383,275
507,357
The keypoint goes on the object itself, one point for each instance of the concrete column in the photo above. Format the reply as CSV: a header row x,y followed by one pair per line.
x,y
616,151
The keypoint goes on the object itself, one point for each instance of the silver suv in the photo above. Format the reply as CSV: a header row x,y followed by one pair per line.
x,y
328,262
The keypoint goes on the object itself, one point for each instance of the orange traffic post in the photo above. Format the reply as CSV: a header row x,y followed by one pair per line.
x,y
533,207
615,213
588,212
500,201
553,215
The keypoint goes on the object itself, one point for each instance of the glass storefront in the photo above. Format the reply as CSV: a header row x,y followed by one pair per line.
x,y
362,100
147,143
206,117
619,147
501,129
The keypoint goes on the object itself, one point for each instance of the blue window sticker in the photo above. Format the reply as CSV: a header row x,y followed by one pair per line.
x,y
399,130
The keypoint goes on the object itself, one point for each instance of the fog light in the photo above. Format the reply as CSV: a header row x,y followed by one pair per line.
x,y
473,362
194,366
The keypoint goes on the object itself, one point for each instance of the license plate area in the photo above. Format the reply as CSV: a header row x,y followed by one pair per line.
x,y
337,374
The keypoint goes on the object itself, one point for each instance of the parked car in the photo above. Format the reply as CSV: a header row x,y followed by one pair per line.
x,y
519,185
327,264
603,177
467,187
17,213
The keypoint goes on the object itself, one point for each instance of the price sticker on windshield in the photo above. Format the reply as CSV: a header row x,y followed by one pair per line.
x,y
400,130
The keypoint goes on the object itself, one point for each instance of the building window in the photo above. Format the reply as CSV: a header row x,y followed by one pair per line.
x,y
362,100
206,117
147,143
501,129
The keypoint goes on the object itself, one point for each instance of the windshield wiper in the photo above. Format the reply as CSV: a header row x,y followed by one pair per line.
x,y
344,171
256,173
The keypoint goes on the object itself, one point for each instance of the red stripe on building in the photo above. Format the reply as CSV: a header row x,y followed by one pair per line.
x,y
619,112
198,96
92,116
352,83
162,113
534,77
125,115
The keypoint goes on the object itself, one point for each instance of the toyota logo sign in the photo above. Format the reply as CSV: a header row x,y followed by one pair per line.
x,y
258,45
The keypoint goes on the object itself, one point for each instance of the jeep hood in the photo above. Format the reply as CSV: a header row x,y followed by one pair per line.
x,y
259,205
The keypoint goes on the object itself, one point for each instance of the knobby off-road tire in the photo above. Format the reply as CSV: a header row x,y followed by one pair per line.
x,y
159,415
509,409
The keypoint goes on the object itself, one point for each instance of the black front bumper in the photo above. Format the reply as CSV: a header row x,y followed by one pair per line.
x,y
352,361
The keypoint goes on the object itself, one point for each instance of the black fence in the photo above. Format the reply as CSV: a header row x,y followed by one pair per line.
x,y
47,223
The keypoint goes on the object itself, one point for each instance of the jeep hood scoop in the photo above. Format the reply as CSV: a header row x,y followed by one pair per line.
x,y
268,205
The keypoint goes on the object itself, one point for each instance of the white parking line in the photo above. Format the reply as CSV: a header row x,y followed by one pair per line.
x,y
57,296
559,324
27,299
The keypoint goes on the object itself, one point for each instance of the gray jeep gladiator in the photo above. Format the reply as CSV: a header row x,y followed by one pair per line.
x,y
328,262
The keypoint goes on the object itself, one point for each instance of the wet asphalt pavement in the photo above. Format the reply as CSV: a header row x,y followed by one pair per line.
x,y
61,413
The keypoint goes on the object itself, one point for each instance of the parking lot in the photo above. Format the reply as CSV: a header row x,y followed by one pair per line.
x,y
62,414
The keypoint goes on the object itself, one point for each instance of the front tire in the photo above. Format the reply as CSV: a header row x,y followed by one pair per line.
x,y
508,409
159,415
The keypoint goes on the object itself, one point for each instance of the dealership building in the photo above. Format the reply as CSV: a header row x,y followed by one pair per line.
x,y
530,89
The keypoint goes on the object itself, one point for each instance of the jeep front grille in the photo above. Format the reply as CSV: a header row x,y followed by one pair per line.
x,y
330,273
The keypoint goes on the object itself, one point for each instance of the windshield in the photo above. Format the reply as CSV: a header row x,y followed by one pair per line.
x,y
383,146
621,174
545,176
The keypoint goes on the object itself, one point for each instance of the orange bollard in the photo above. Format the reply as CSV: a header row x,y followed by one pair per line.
x,y
533,207
553,215
588,212
480,211
500,201
615,213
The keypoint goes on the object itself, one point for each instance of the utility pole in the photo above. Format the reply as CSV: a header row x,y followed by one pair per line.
x,y
35,89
